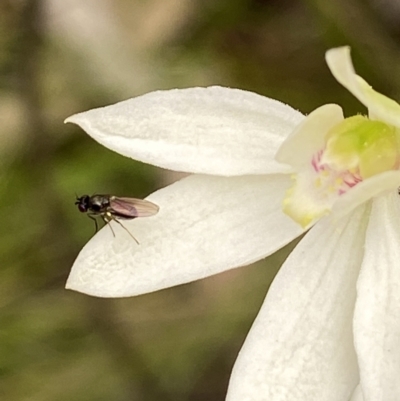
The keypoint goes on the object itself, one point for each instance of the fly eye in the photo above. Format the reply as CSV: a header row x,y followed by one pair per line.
x,y
82,208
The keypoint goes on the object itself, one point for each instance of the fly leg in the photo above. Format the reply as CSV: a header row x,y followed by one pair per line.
x,y
107,217
91,216
117,221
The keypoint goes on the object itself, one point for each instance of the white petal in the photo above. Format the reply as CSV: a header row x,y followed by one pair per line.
x,y
205,225
212,130
380,107
309,136
357,395
300,346
377,313
364,191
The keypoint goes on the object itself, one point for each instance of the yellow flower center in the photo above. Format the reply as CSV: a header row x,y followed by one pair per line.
x,y
363,146
354,150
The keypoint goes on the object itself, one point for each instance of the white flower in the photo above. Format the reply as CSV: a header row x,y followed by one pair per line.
x,y
330,326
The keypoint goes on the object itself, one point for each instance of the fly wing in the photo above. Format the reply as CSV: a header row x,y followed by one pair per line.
x,y
130,208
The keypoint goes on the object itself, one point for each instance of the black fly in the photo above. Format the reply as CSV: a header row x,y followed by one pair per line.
x,y
110,207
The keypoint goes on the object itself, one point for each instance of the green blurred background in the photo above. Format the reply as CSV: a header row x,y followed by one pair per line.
x,y
58,57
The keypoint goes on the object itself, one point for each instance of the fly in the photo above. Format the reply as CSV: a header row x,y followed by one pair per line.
x,y
110,207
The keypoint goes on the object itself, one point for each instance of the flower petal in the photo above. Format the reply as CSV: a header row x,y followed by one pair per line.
x,y
377,313
379,106
205,225
365,190
357,395
212,130
309,136
300,346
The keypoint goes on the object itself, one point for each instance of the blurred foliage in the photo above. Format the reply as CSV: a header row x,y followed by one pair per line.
x,y
60,57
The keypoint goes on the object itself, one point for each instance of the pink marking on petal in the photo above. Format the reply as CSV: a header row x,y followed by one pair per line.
x,y
349,179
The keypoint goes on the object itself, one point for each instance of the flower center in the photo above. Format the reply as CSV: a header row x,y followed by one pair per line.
x,y
331,180
354,150
363,146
